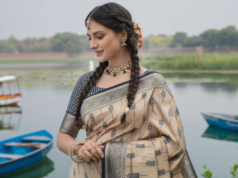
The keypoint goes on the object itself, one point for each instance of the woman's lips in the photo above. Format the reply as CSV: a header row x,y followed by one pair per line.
x,y
98,53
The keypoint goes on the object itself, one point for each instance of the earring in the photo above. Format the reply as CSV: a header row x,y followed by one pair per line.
x,y
123,42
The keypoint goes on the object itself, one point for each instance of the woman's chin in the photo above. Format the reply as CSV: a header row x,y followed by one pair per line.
x,y
101,59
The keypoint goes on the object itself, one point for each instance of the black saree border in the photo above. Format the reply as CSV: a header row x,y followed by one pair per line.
x,y
114,161
103,161
99,90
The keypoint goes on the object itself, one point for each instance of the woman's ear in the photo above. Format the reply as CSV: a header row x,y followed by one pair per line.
x,y
124,34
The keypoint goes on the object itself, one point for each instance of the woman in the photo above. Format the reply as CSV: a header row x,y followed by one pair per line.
x,y
131,119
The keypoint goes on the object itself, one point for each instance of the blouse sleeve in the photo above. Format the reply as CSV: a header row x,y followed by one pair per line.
x,y
67,125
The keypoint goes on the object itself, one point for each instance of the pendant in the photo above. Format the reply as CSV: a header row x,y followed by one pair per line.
x,y
124,71
114,75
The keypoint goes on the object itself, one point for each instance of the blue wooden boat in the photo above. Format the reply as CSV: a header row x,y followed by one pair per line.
x,y
224,121
23,151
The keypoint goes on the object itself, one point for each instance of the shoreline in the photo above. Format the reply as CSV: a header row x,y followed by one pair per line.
x,y
83,65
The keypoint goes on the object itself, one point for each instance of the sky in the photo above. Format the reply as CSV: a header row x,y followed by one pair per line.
x,y
45,18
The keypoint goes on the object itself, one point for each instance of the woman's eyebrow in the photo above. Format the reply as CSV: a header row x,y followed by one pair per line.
x,y
95,32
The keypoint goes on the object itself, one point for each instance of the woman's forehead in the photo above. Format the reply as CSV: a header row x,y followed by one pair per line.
x,y
95,27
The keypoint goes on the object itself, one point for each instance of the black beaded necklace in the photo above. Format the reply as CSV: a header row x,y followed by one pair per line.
x,y
115,70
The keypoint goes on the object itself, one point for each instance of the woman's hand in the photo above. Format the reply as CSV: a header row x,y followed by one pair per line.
x,y
95,153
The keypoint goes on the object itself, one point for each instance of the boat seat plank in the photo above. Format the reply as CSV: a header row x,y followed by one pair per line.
x,y
37,138
10,156
33,145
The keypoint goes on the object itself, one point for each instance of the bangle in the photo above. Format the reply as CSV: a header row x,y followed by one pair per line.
x,y
75,157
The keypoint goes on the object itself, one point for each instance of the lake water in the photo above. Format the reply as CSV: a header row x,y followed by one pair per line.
x,y
43,107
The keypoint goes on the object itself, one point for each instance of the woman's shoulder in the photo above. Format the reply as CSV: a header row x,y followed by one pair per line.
x,y
83,79
155,73
149,71
157,77
86,75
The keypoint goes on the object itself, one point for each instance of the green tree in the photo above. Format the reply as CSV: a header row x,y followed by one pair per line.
x,y
68,42
228,37
193,41
7,47
178,39
210,38
157,41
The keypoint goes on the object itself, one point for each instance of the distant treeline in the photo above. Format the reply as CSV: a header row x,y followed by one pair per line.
x,y
74,43
61,42
209,39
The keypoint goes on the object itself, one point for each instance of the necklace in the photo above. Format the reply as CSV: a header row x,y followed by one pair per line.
x,y
115,70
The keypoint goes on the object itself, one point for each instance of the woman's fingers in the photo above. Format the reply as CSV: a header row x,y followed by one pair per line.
x,y
94,149
84,151
90,155
101,147
95,153
99,151
97,148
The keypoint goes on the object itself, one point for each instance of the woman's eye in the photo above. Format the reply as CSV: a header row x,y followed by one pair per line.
x,y
97,37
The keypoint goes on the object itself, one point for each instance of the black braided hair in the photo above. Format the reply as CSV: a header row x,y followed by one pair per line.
x,y
117,18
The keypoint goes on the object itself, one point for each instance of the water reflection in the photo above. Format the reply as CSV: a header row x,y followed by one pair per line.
x,y
8,120
220,134
38,170
211,76
222,86
210,87
210,82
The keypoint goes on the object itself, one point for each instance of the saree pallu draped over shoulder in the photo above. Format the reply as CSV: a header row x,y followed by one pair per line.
x,y
150,144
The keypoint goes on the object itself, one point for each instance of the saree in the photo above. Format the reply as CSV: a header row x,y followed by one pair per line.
x,y
151,143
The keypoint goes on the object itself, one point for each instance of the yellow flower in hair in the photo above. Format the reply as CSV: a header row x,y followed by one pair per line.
x,y
137,30
135,24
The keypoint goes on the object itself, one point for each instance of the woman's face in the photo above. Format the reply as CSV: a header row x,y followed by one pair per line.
x,y
104,42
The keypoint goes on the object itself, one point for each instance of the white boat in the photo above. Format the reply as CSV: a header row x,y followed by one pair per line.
x,y
11,98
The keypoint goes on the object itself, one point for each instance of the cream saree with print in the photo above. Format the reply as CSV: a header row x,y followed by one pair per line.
x,y
150,144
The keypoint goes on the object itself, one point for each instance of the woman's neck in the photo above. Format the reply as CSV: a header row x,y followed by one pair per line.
x,y
120,59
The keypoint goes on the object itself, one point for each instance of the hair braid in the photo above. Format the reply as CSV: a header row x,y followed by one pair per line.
x,y
92,81
134,82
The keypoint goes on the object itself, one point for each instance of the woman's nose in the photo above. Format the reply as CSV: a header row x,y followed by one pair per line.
x,y
93,45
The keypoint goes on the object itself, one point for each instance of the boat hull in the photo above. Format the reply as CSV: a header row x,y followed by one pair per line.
x,y
10,100
27,160
221,122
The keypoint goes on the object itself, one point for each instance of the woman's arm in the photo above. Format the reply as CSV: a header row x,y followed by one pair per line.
x,y
64,141
67,132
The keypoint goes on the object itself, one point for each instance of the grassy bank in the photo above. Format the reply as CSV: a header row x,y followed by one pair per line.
x,y
206,61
